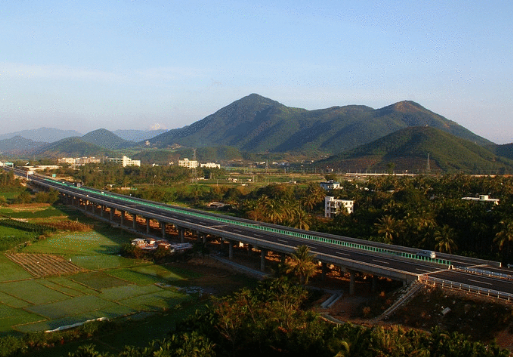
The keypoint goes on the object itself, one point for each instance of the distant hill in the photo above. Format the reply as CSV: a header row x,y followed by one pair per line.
x,y
165,156
72,147
258,124
18,145
408,149
106,139
138,135
505,150
46,135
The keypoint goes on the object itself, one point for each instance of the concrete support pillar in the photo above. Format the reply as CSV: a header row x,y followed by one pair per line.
x,y
163,229
181,234
102,209
263,254
122,220
351,281
324,270
230,250
204,238
374,283
134,221
250,249
147,225
111,213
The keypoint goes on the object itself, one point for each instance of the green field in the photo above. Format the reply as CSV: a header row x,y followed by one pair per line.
x,y
112,287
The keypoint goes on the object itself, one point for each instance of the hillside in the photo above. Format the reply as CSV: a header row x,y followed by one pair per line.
x,y
18,145
138,135
71,147
505,150
106,139
408,149
258,124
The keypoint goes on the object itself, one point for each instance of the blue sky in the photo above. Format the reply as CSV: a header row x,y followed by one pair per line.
x,y
86,65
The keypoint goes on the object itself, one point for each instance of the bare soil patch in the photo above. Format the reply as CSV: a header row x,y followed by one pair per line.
x,y
41,265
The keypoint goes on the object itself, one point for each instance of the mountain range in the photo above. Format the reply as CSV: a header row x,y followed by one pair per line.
x,y
258,124
356,136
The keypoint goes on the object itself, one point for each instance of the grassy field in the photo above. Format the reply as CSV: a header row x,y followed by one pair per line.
x,y
112,286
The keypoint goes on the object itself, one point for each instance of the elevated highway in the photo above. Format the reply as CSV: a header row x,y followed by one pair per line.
x,y
353,255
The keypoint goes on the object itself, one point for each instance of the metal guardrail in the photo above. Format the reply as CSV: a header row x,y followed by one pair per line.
x,y
267,229
465,287
484,272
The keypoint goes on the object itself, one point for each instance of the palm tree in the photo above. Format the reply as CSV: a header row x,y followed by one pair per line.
x,y
389,227
444,240
302,264
504,236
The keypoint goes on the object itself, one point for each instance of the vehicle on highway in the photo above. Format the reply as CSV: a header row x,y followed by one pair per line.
x,y
427,254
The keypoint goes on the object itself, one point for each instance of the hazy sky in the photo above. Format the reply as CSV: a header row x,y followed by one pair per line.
x,y
86,65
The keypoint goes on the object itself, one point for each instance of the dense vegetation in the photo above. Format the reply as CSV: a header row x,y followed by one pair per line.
x,y
273,320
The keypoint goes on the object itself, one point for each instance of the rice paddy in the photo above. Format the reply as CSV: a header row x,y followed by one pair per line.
x,y
107,286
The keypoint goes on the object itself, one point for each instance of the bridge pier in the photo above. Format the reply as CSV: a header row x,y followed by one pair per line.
x,y
250,249
230,250
122,219
351,282
134,221
111,213
324,271
163,229
181,234
263,254
102,208
147,225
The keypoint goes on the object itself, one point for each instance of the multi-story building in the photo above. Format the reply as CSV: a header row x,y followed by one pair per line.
x,y
332,206
330,185
125,161
190,164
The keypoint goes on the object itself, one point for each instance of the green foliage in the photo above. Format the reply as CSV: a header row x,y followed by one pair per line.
x,y
408,150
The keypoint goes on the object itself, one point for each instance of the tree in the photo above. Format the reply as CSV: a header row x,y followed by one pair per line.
x,y
444,240
504,237
389,227
302,264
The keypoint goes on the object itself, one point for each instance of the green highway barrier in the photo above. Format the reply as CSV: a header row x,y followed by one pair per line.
x,y
267,229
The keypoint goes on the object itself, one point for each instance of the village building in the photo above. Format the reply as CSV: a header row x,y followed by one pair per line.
x,y
333,206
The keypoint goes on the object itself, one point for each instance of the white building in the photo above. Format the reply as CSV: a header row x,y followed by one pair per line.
x,y
330,185
190,164
483,199
211,165
125,161
332,206
79,160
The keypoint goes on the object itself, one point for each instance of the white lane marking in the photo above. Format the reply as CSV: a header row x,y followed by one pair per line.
x,y
380,261
282,240
341,253
257,235
481,282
